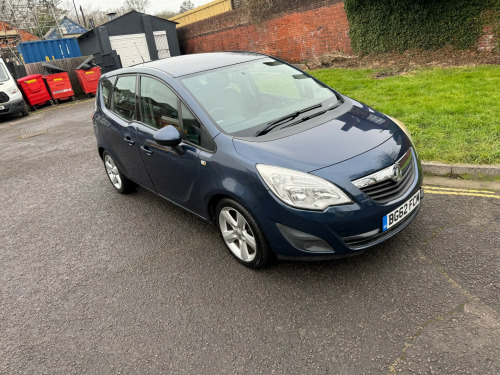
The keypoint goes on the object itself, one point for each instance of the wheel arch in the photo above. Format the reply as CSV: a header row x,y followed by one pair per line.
x,y
214,200
101,152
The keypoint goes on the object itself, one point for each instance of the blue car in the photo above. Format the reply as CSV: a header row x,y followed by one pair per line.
x,y
283,165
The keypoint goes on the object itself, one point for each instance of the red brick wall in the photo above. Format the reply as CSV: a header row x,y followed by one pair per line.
x,y
294,37
487,41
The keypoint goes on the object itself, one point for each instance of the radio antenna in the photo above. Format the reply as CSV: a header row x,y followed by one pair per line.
x,y
140,54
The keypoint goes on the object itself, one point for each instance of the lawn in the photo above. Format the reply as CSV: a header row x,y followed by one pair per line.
x,y
453,114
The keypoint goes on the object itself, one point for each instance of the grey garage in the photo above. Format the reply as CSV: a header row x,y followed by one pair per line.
x,y
130,39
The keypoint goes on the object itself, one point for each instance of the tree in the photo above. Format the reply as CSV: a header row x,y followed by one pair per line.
x,y
98,16
36,18
166,14
137,5
186,6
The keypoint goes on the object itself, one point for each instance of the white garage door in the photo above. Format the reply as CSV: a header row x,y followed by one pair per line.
x,y
132,48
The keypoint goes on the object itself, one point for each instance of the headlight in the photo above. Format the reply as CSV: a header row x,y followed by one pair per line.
x,y
301,190
12,90
401,125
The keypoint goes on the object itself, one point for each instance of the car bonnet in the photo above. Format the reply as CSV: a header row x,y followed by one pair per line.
x,y
353,133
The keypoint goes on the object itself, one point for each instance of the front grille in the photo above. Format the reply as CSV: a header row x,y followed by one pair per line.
x,y
4,98
389,190
382,188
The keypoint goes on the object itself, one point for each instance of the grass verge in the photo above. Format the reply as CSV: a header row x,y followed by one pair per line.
x,y
453,114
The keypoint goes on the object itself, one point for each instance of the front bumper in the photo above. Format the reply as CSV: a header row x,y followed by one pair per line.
x,y
346,230
14,106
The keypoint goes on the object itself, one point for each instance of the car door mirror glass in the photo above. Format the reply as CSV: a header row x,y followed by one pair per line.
x,y
168,136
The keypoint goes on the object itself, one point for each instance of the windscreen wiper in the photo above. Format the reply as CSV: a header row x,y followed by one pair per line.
x,y
273,124
313,115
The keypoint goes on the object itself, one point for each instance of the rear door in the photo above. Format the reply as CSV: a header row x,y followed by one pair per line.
x,y
118,126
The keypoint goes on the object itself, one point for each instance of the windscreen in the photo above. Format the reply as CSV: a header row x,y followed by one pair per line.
x,y
243,98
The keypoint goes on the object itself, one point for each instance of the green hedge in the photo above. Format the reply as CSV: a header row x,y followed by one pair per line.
x,y
397,25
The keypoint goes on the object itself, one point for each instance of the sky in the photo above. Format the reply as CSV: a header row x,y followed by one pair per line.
x,y
155,5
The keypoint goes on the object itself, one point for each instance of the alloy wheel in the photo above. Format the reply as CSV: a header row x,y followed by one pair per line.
x,y
237,234
113,173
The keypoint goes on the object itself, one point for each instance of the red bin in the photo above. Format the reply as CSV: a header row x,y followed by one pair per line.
x,y
60,86
34,90
89,79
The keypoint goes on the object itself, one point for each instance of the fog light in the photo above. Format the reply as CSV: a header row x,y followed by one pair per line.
x,y
304,241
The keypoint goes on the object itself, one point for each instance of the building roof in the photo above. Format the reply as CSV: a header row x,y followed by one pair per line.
x,y
7,31
77,29
126,14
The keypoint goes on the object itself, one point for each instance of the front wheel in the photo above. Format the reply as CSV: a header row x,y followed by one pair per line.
x,y
121,183
24,111
241,234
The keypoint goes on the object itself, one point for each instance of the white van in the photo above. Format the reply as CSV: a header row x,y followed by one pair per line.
x,y
11,99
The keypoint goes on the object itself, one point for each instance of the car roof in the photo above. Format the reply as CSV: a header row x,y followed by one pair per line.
x,y
188,64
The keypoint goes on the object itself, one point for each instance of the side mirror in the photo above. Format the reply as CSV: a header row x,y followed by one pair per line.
x,y
168,136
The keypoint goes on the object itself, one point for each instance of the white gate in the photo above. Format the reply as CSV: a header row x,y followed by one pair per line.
x,y
161,44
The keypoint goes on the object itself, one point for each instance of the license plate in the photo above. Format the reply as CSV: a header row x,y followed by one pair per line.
x,y
394,217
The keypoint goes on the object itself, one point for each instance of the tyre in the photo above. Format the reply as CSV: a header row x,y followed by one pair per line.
x,y
25,112
241,234
121,183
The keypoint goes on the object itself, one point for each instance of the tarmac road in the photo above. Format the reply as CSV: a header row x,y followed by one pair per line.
x,y
95,282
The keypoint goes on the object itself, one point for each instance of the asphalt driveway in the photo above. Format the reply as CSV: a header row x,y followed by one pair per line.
x,y
95,282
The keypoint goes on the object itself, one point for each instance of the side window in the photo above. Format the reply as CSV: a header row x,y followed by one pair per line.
x,y
158,104
107,91
191,126
194,132
124,97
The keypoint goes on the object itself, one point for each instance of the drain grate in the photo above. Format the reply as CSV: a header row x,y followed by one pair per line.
x,y
33,134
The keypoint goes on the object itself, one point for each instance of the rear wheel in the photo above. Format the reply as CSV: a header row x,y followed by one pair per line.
x,y
241,235
121,183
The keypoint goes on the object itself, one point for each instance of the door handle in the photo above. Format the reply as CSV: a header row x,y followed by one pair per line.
x,y
129,140
147,150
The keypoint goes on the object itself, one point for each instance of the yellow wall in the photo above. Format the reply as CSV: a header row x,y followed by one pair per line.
x,y
205,11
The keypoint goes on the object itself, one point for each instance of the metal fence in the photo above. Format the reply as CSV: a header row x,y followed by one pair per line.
x,y
67,64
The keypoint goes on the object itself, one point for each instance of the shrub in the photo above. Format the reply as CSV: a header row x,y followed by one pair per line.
x,y
378,26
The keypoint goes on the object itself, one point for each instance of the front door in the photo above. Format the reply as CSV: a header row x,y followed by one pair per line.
x,y
173,170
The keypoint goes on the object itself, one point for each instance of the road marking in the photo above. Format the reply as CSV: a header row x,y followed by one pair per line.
x,y
464,192
34,133
461,190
